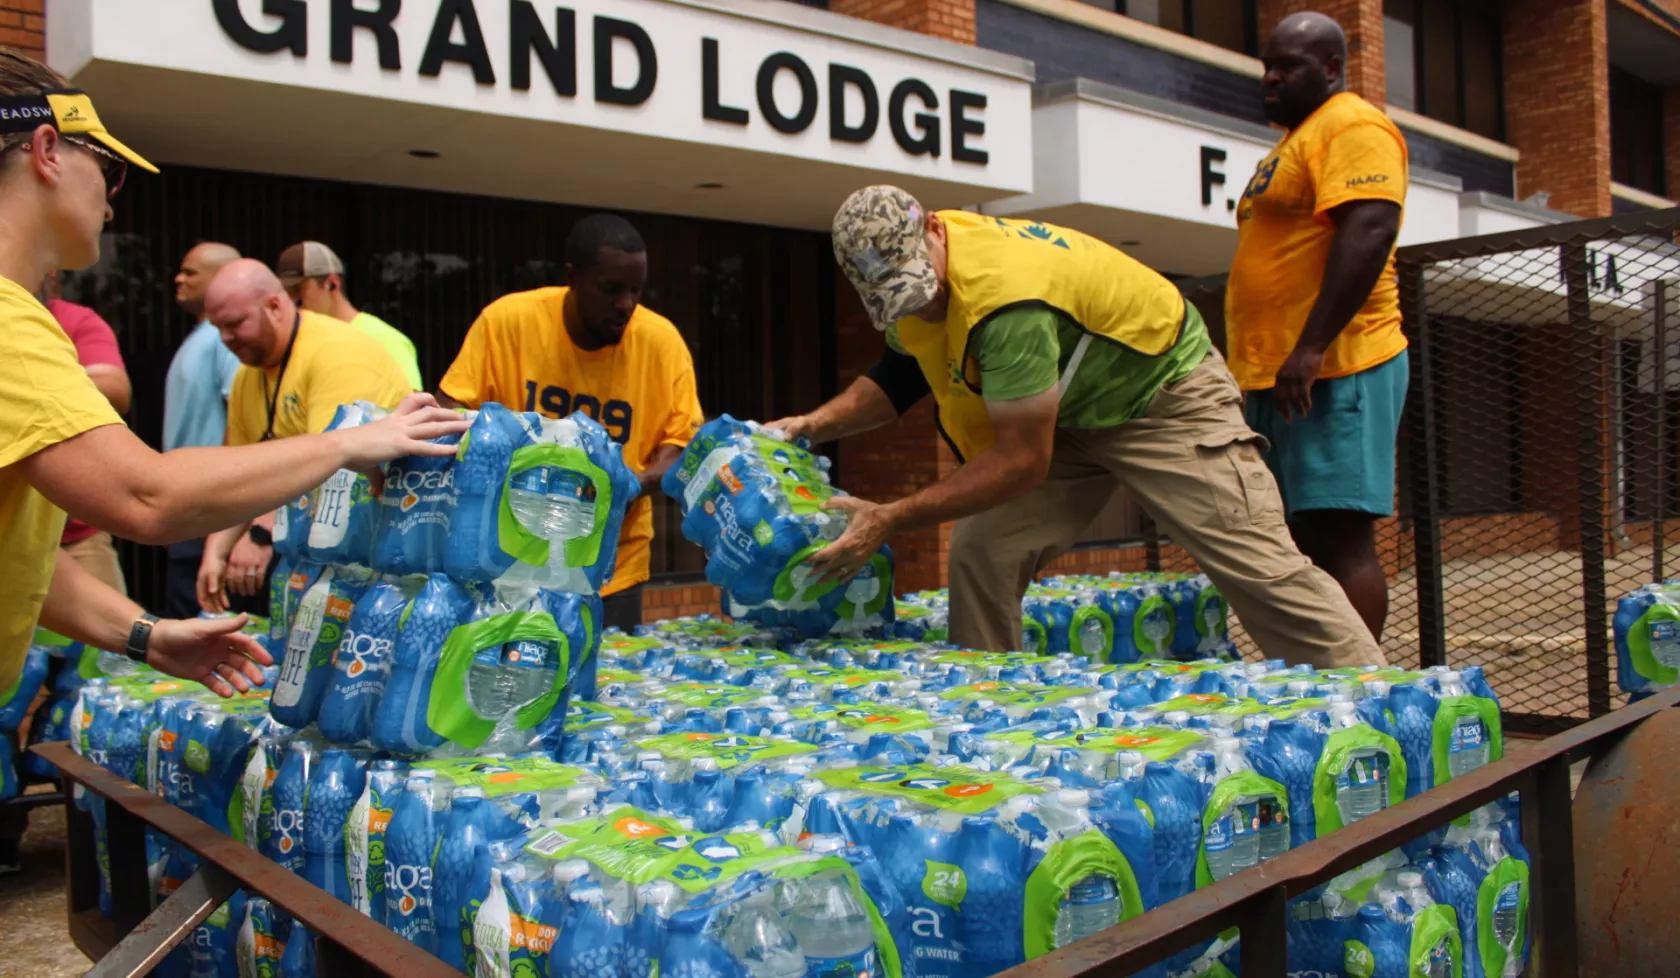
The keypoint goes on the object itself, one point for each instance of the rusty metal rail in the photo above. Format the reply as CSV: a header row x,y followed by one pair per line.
x,y
1257,900
137,937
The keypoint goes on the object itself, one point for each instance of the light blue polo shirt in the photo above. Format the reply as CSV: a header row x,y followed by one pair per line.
x,y
196,391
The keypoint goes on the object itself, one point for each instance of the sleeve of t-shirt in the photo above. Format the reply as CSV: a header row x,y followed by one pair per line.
x,y
467,379
45,395
1019,354
96,341
227,368
242,423
684,418
1365,161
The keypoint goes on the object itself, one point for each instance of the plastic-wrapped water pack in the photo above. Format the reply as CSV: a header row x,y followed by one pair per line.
x,y
538,502
754,503
1647,630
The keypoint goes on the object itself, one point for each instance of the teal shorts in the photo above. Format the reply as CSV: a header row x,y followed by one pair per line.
x,y
1341,455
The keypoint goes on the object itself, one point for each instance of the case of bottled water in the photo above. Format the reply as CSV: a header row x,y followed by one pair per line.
x,y
1647,632
417,506
754,503
538,502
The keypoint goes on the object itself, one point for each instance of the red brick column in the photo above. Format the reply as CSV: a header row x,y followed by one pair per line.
x,y
950,19
1361,20
1671,139
23,25
1557,103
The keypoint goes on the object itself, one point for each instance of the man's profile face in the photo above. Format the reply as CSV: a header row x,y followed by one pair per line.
x,y
191,282
608,292
312,294
247,326
1297,80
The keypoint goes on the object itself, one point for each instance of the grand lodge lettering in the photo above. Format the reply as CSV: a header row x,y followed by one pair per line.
x,y
911,106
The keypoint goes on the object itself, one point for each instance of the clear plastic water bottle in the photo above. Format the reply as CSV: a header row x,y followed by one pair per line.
x,y
555,504
1218,845
1506,922
1241,819
763,946
833,930
1469,748
1092,905
1273,813
1362,787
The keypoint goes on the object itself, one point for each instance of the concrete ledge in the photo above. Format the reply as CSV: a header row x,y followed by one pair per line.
x,y
1148,35
1453,134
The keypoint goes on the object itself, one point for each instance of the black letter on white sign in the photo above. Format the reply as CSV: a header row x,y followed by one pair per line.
x,y
606,29
963,127
1210,177
801,119
839,78
471,50
927,144
293,32
346,17
558,57
711,98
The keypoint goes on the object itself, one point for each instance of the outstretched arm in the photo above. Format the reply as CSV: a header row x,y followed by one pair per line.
x,y
110,479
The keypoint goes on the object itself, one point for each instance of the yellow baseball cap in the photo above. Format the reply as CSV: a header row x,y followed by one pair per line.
x,y
70,111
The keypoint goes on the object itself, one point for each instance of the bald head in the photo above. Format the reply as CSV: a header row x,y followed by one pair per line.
x,y
1305,59
249,306
197,269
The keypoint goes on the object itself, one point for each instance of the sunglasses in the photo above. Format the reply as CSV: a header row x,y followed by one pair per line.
x,y
113,166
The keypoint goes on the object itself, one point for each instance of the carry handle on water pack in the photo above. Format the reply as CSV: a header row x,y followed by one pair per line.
x,y
530,548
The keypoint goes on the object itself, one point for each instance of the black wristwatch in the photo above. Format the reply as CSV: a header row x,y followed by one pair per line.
x,y
261,536
140,636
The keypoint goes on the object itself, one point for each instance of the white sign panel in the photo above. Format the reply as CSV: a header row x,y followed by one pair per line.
x,y
731,76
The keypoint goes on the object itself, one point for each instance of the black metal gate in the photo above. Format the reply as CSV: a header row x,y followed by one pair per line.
x,y
1540,449
1539,455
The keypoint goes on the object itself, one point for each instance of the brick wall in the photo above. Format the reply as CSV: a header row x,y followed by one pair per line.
x,y
950,19
1557,102
23,25
1671,137
679,600
1361,20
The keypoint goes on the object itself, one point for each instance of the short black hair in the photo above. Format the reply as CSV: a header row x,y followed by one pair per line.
x,y
597,231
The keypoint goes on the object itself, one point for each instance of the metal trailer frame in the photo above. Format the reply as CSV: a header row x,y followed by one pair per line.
x,y
1256,900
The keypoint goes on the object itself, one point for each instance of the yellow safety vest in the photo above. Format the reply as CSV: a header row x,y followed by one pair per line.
x,y
997,265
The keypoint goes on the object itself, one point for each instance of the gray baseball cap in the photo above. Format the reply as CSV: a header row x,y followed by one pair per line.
x,y
880,240
307,259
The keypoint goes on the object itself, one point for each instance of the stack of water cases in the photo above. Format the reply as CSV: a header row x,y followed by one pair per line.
x,y
1119,618
1647,628
845,806
754,503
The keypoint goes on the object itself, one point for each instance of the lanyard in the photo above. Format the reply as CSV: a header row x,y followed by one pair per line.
x,y
273,402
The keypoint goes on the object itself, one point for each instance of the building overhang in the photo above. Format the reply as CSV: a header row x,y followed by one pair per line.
x,y
721,109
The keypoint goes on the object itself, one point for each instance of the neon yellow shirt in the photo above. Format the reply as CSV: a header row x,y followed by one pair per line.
x,y
45,398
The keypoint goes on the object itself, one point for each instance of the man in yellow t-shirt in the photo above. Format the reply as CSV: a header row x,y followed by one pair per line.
x,y
296,368
1312,311
62,447
592,347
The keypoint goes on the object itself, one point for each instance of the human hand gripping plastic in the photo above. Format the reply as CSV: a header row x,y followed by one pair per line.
x,y
793,428
211,651
867,527
409,430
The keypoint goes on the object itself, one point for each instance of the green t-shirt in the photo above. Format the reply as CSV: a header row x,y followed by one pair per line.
x,y
1024,351
399,346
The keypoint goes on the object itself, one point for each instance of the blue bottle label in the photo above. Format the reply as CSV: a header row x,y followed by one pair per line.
x,y
864,965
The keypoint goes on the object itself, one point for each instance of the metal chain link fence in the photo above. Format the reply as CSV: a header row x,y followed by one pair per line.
x,y
1539,454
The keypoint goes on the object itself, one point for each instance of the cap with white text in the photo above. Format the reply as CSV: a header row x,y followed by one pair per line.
x,y
307,259
880,240
70,111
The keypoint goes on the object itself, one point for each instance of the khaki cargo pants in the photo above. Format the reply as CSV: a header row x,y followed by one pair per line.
x,y
1195,466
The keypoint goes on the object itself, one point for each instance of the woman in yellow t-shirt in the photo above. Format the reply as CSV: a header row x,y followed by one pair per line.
x,y
62,447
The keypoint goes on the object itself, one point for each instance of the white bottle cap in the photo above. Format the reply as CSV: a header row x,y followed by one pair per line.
x,y
1410,879
1451,676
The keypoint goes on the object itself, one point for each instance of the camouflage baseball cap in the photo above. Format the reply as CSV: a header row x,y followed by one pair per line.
x,y
879,240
